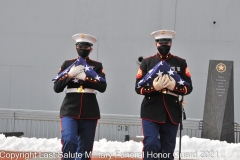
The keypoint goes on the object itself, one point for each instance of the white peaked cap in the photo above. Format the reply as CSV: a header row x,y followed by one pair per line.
x,y
162,34
82,37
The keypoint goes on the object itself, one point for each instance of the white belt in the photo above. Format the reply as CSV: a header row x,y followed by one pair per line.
x,y
80,90
164,91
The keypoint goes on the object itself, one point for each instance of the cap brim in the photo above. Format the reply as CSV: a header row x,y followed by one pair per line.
x,y
163,40
84,44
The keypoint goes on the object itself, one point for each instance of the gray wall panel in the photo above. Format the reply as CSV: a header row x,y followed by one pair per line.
x,y
31,88
199,40
120,92
35,39
33,16
194,103
168,18
196,53
5,86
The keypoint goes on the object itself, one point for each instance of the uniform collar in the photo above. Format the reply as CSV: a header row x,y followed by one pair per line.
x,y
86,59
163,58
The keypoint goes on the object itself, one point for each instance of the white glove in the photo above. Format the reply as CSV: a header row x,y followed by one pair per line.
x,y
81,76
160,82
81,67
171,83
75,70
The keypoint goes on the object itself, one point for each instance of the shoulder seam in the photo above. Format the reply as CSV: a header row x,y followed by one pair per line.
x,y
178,57
94,61
71,59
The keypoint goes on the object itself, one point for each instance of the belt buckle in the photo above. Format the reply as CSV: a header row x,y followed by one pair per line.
x,y
164,91
80,89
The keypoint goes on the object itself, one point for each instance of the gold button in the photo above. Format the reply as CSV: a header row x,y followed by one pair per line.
x,y
149,97
145,89
151,88
164,91
91,78
148,89
176,101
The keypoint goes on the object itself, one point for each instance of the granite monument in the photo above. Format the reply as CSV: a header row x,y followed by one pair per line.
x,y
218,118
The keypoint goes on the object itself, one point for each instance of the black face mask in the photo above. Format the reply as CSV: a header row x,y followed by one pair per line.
x,y
163,50
83,53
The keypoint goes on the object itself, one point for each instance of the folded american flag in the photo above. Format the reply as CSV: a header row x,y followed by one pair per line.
x,y
88,71
159,69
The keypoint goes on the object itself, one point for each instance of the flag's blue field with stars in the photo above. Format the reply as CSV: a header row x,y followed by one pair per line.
x,y
159,69
88,71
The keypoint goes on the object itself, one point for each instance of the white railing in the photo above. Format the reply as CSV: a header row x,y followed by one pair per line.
x,y
46,124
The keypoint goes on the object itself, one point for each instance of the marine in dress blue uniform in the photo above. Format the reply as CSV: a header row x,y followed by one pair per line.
x,y
79,111
160,108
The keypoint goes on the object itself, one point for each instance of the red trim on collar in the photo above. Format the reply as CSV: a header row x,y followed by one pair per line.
x,y
169,55
72,59
86,59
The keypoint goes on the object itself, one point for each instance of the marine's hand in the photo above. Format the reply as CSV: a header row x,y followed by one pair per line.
x,y
81,76
75,70
171,83
159,82
81,67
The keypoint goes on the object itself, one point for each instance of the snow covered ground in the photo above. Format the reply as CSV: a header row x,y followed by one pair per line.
x,y
192,148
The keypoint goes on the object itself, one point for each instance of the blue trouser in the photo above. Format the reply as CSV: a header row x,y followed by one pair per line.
x,y
77,138
155,147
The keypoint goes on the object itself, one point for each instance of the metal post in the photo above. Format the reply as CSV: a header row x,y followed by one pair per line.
x,y
98,131
14,115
